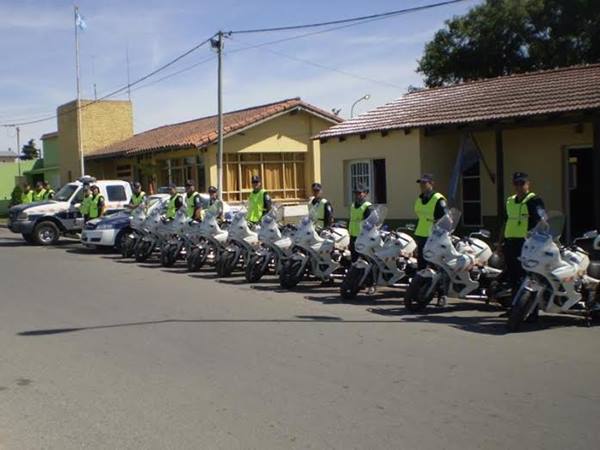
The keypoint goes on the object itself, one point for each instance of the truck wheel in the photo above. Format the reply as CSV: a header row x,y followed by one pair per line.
x,y
28,238
46,233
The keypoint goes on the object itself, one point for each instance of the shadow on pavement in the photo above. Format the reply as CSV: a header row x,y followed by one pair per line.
x,y
296,319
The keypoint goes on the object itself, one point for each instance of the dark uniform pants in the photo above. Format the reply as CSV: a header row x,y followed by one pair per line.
x,y
421,263
514,273
352,249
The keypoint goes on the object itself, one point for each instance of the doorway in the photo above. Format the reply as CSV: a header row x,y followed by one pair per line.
x,y
580,191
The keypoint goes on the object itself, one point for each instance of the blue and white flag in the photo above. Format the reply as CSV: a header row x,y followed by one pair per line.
x,y
468,155
80,21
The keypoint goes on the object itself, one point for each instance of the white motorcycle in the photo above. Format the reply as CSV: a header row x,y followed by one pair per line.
x,y
159,232
557,280
212,238
275,246
241,243
385,258
318,254
138,220
457,267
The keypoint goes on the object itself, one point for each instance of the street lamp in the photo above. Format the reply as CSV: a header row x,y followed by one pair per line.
x,y
364,97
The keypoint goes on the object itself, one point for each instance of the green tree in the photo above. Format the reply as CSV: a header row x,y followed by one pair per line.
x,y
30,151
501,37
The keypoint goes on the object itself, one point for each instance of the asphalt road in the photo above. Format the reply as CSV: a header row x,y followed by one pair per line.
x,y
100,353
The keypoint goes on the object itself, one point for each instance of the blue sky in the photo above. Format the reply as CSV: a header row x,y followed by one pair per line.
x,y
38,54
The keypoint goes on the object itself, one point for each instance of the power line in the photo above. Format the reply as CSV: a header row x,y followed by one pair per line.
x,y
173,74
349,20
324,67
116,91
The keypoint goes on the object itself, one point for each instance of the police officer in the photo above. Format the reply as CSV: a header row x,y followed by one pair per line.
x,y
193,201
138,197
522,214
39,193
360,209
430,206
96,203
259,201
84,207
27,194
320,209
214,204
49,192
175,202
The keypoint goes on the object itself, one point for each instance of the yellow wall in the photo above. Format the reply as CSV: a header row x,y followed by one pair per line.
x,y
536,150
102,123
403,166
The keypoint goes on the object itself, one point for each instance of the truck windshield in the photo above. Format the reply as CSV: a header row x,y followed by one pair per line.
x,y
65,192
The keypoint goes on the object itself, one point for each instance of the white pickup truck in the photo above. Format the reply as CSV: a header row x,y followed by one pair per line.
x,y
44,222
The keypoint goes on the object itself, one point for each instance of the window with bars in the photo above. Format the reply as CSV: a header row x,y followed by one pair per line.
x,y
282,174
371,174
471,196
179,170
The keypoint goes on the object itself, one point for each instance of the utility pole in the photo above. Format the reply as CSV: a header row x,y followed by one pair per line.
x,y
128,74
19,149
78,103
217,44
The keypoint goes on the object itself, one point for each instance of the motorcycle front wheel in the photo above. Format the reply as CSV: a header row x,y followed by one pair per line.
x,y
418,294
256,268
290,274
226,263
351,284
128,246
196,259
168,255
518,313
143,251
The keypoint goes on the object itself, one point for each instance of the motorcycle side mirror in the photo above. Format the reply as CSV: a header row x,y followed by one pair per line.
x,y
590,234
410,227
485,233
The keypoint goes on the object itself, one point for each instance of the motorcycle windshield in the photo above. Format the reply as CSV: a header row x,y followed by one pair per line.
x,y
271,216
549,227
448,222
376,218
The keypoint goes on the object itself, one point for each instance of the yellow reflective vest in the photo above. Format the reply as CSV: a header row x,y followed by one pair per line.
x,y
426,214
517,222
256,206
94,206
27,197
356,218
317,212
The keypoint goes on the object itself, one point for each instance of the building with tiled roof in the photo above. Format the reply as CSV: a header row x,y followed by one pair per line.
x,y
544,123
272,140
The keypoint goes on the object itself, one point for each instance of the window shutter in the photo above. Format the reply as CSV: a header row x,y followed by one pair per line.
x,y
380,188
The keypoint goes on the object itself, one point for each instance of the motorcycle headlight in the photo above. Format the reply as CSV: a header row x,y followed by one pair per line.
x,y
22,216
530,263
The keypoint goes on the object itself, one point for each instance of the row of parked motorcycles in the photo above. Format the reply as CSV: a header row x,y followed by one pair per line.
x,y
559,278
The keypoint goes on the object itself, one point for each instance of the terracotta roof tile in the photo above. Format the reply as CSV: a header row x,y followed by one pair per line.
x,y
574,88
202,132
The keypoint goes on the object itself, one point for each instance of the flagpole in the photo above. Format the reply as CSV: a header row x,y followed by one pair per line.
x,y
78,103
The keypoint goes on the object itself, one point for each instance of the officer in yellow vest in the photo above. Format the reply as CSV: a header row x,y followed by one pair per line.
x,y
49,192
360,209
27,194
259,201
97,204
39,193
320,208
84,207
214,204
193,201
522,214
430,206
175,202
138,196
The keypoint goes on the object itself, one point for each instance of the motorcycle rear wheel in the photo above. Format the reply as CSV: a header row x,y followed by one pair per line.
x,y
290,276
351,284
416,298
256,268
127,246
